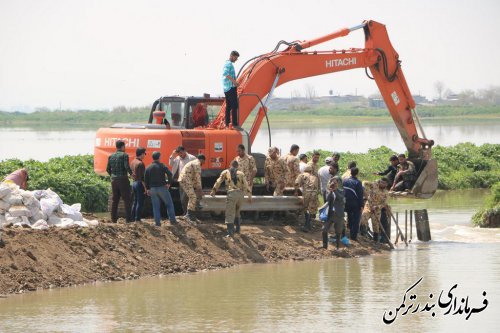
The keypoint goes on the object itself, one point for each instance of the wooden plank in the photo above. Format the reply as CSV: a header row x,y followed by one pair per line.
x,y
259,203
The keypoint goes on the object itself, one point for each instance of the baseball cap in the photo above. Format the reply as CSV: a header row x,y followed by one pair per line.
x,y
328,160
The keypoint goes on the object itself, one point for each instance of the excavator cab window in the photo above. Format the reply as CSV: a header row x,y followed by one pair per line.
x,y
174,113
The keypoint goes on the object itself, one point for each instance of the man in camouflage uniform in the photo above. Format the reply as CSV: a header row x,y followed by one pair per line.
x,y
314,162
190,182
293,165
376,206
275,170
310,190
246,164
406,176
237,187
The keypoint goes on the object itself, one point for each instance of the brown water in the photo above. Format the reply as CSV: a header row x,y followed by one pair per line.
x,y
335,295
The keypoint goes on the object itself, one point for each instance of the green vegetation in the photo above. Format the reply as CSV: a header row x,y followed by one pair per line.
x,y
489,214
72,177
321,115
462,166
97,118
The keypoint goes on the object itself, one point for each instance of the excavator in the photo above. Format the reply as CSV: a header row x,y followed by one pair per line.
x,y
198,123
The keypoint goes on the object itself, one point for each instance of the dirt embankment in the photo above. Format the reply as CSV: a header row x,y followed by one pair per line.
x,y
34,259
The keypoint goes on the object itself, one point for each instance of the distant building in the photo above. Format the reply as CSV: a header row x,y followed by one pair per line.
x,y
376,103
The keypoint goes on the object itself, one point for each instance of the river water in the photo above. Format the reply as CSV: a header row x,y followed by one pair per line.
x,y
42,144
338,295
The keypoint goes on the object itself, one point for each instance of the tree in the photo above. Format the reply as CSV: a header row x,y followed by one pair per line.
x,y
439,87
310,91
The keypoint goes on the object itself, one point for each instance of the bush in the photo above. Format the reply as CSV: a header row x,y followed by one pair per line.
x,y
72,177
491,209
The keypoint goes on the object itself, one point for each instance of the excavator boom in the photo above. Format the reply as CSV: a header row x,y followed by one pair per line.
x,y
264,73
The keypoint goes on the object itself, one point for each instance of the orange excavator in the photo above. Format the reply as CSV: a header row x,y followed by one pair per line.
x,y
197,123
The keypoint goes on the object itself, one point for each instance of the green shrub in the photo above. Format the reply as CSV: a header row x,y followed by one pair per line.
x,y
72,177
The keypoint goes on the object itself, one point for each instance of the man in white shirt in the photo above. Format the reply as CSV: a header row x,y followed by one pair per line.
x,y
324,176
303,162
178,159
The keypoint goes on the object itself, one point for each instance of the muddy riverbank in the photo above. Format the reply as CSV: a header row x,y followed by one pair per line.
x,y
34,259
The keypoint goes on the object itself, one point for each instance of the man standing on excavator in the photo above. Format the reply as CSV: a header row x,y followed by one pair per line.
x,y
229,84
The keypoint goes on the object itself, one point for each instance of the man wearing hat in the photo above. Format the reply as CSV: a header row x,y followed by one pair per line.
x,y
324,177
178,159
190,182
158,179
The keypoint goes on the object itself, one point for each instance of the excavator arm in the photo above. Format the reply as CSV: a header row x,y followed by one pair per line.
x,y
262,74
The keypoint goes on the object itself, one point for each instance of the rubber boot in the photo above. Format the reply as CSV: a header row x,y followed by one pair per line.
x,y
375,237
230,229
237,225
337,240
307,224
362,230
325,240
190,216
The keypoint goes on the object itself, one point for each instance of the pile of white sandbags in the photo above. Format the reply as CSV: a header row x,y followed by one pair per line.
x,y
38,209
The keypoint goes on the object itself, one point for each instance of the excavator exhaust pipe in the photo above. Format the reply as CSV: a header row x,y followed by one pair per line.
x,y
427,181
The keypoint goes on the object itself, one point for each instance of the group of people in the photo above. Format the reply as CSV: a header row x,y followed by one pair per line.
x,y
154,181
343,196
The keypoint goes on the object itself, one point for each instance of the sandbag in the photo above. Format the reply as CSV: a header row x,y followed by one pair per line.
x,y
49,205
40,225
54,220
14,199
38,215
16,211
4,205
4,190
72,212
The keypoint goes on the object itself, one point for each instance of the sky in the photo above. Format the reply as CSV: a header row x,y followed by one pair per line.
x,y
101,54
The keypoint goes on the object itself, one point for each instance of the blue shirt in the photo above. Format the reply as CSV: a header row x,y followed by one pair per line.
x,y
228,70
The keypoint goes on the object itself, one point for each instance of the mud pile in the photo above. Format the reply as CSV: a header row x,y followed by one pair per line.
x,y
59,257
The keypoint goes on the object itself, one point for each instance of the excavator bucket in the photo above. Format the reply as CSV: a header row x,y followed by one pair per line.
x,y
427,181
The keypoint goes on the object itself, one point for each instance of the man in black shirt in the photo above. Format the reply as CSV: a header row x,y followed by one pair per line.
x,y
391,171
157,187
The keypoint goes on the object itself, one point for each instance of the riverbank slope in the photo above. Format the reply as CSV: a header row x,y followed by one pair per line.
x,y
33,259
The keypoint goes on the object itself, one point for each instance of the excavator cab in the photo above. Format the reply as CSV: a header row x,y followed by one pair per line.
x,y
185,112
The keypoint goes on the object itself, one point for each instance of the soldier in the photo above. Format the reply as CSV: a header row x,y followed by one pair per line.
x,y
347,173
314,162
236,186
293,165
246,164
190,182
375,207
310,190
406,176
275,170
